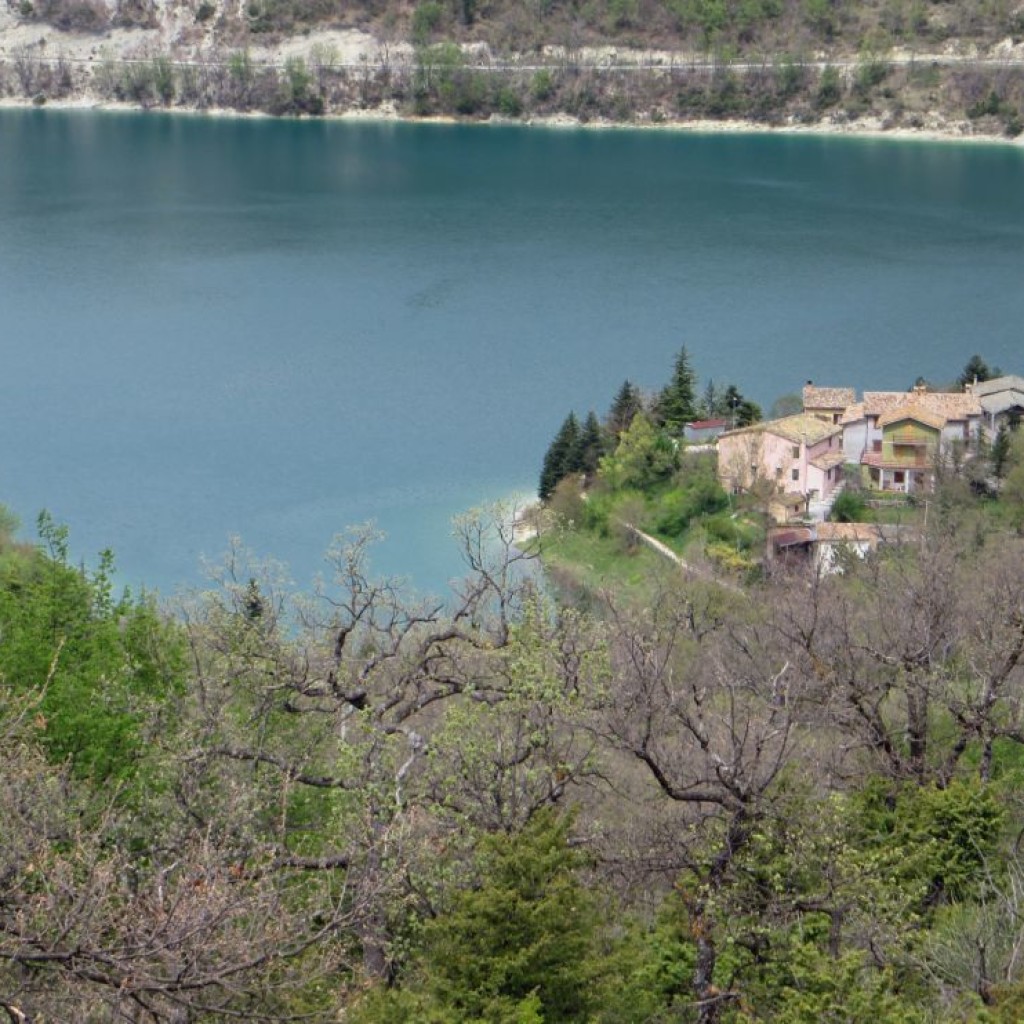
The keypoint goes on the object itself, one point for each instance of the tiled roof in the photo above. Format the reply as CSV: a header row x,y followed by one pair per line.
x,y
948,405
853,413
862,532
1010,382
915,412
792,536
1003,401
828,460
801,427
707,424
828,398
877,460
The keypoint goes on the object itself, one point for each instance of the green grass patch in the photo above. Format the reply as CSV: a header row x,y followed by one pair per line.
x,y
591,562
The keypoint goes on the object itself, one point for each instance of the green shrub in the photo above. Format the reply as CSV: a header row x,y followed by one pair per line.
x,y
830,89
426,20
849,507
509,102
680,506
543,85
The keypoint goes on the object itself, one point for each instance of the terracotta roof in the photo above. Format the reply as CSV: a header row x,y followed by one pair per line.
x,y
876,460
914,412
948,405
828,398
707,424
792,536
828,460
801,427
853,413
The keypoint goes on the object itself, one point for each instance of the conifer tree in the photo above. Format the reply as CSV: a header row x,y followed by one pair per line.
x,y
562,456
976,369
677,402
524,940
626,405
591,444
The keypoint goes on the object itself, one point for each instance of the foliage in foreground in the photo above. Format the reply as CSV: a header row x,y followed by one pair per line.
x,y
794,803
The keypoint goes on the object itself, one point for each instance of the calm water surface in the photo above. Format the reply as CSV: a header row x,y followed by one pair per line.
x,y
277,329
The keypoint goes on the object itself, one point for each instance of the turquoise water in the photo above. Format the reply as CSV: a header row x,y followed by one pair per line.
x,y
275,329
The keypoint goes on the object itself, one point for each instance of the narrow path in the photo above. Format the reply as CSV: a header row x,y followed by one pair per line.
x,y
666,552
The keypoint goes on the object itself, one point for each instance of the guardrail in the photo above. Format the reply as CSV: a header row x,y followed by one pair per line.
x,y
568,63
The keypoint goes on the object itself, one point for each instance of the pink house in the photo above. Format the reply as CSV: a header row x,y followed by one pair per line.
x,y
800,454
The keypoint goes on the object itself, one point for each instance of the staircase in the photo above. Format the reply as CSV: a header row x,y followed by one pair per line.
x,y
818,510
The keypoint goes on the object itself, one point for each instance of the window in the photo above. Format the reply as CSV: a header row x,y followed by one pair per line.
x,y
796,451
795,474
898,476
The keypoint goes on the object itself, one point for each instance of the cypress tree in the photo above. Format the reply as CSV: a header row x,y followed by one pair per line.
x,y
562,455
677,402
626,405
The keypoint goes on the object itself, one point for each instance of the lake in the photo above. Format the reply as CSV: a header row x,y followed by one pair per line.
x,y
277,328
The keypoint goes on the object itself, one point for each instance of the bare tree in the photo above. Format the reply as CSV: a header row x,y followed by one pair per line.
x,y
708,710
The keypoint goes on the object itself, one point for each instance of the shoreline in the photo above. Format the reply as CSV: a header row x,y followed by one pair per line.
x,y
867,129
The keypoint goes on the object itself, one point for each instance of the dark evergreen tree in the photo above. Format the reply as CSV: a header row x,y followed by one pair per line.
x,y
561,457
730,402
976,369
677,404
591,444
747,412
628,402
740,411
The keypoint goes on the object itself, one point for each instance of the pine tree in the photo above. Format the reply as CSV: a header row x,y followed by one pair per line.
x,y
591,444
677,402
562,455
975,370
626,405
520,946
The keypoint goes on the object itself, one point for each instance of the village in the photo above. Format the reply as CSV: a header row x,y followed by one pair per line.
x,y
893,442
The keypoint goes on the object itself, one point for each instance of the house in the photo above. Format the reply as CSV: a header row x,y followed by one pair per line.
x,y
799,454
897,437
833,542
703,431
825,547
827,404
1001,401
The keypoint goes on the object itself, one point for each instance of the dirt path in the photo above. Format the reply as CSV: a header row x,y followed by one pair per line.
x,y
688,567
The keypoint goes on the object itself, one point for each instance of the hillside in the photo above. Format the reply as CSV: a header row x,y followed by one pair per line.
x,y
955,68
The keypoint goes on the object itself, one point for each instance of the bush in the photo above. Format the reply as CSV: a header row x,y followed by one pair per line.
x,y
509,102
849,507
543,85
426,20
830,89
679,507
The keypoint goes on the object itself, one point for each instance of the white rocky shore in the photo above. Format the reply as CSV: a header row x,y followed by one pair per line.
x,y
179,35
